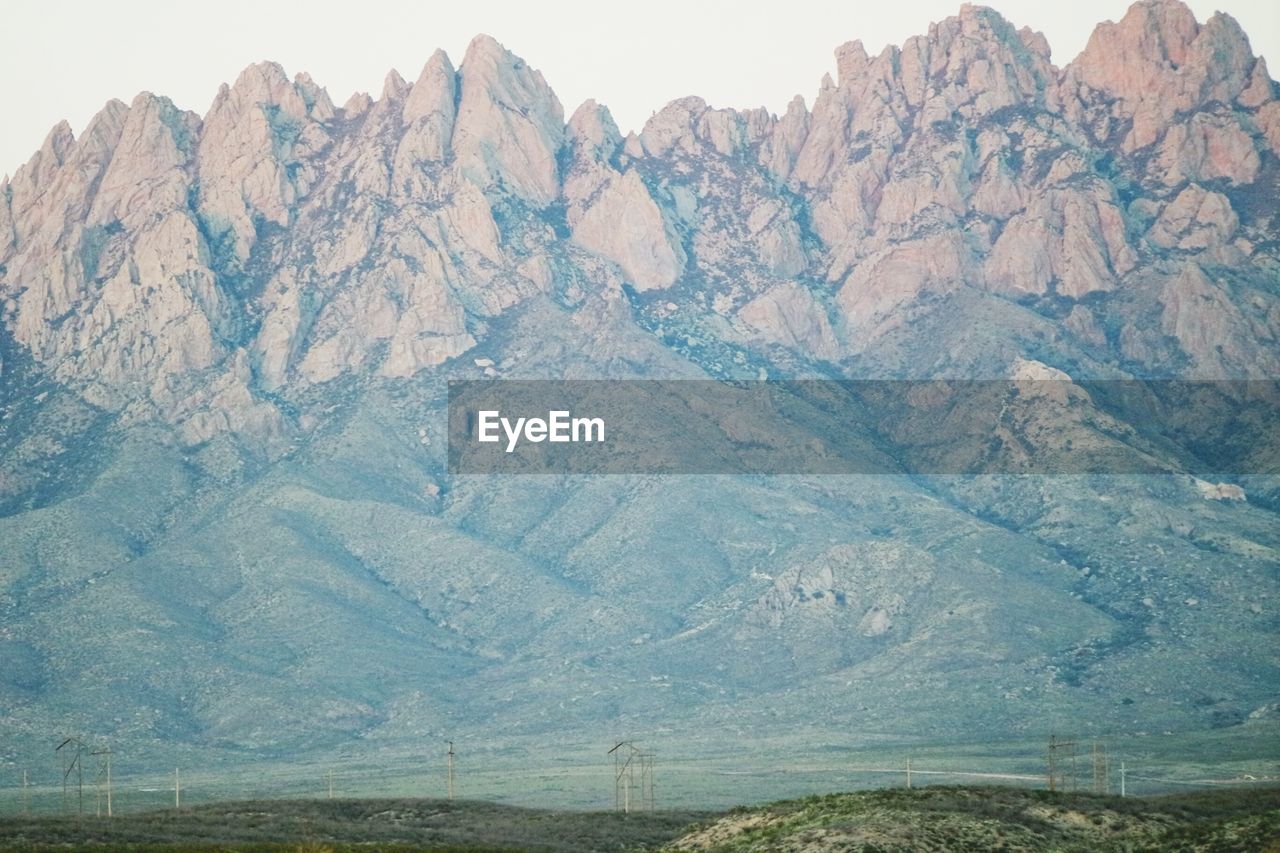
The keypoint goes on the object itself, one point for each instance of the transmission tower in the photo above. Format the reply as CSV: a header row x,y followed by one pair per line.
x,y
1101,777
72,762
450,754
627,794
1061,764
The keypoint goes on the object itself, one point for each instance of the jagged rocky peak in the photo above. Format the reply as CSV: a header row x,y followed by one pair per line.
x,y
253,133
39,172
434,92
147,175
510,124
316,97
1158,61
613,214
102,134
427,117
973,64
782,143
394,87
967,65
592,131
689,125
54,190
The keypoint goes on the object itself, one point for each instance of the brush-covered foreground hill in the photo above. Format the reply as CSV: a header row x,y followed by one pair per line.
x,y
226,519
955,818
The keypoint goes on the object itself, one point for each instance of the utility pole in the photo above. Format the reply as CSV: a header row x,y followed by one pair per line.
x,y
449,754
908,772
1122,771
177,789
26,798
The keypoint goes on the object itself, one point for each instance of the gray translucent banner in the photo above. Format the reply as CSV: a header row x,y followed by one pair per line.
x,y
1219,429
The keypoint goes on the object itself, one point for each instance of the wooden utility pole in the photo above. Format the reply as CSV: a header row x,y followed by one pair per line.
x,y
177,788
1122,779
450,758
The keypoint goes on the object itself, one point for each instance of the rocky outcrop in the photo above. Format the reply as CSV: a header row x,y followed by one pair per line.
x,y
788,314
1197,219
510,124
1067,241
1220,491
612,213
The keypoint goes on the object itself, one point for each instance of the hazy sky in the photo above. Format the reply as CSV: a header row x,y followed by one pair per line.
x,y
66,59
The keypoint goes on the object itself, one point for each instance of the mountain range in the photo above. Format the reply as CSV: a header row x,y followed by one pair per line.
x,y
226,516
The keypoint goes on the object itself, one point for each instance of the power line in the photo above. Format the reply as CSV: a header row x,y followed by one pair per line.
x,y
1265,781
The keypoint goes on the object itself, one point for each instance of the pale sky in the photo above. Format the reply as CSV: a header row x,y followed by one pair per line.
x,y
66,59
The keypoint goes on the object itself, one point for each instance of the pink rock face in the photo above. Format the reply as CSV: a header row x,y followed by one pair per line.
x,y
790,315
1196,219
510,124
252,134
1158,62
1116,208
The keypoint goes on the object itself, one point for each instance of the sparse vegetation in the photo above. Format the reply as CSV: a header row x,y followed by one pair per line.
x,y
931,818
335,825
993,818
